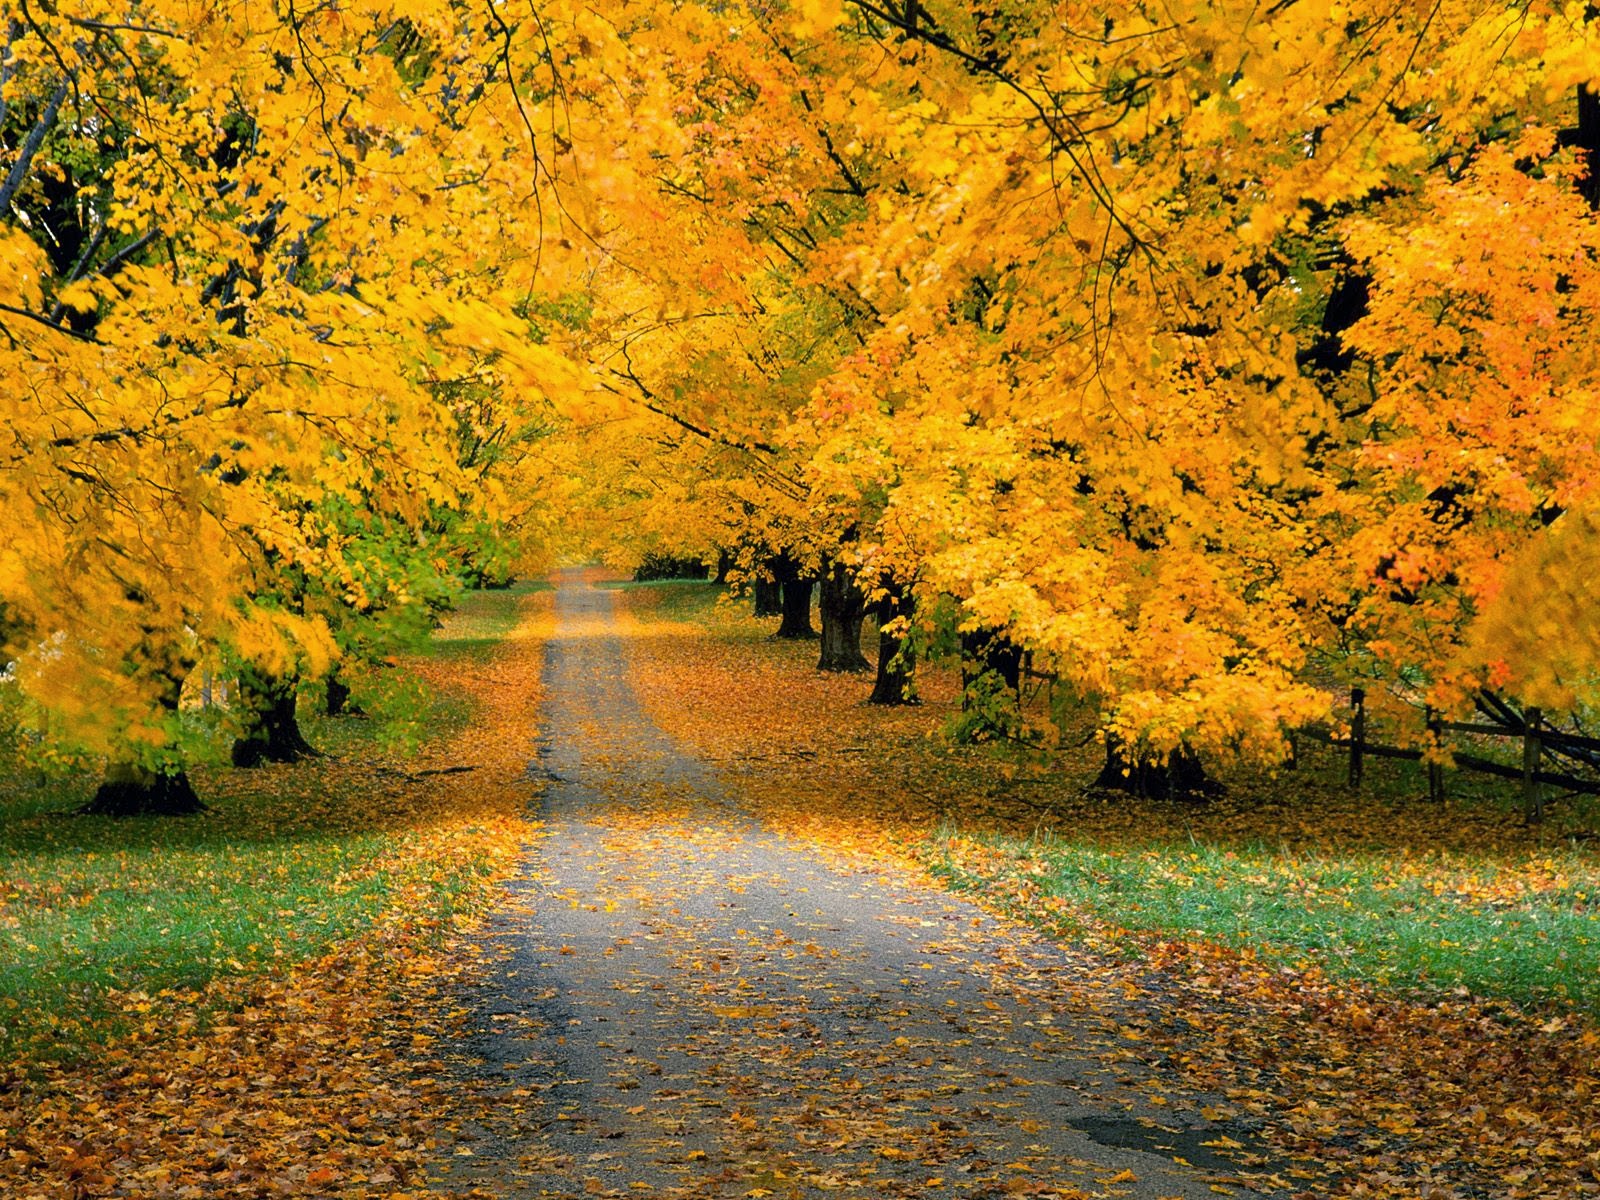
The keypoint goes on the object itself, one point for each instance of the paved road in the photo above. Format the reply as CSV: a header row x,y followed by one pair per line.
x,y
686,1005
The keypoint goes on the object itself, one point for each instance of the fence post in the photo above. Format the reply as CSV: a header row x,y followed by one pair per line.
x,y
1358,733
1435,767
1532,794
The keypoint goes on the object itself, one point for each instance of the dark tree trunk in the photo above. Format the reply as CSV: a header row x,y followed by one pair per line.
x,y
1589,140
336,698
986,651
1180,777
842,608
893,684
991,687
725,562
769,598
130,790
1584,136
273,732
796,623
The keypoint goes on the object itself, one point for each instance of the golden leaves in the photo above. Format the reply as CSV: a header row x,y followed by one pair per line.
x,y
319,904
276,294
815,17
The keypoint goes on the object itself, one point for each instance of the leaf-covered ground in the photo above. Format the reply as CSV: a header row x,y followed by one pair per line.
x,y
688,1004
729,968
1298,940
247,1003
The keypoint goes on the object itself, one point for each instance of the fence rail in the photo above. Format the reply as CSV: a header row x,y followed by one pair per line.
x,y
1527,727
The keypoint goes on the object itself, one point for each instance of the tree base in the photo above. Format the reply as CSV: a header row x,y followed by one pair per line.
x,y
892,689
159,796
841,654
889,699
845,665
842,607
254,752
273,734
795,599
1181,777
796,624
895,683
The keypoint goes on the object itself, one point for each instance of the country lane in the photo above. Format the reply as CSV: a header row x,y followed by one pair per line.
x,y
680,1003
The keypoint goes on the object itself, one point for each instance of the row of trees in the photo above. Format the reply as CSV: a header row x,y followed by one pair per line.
x,y
270,329
1207,354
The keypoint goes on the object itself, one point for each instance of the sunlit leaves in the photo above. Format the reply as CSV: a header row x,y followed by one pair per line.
x,y
245,265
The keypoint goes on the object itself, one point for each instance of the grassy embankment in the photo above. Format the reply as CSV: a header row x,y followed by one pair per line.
x,y
1381,887
107,924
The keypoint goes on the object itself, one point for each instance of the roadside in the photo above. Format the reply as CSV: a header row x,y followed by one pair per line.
x,y
1360,1062
246,1003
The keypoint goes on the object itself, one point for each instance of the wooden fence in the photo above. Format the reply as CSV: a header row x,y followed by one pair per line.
x,y
1539,743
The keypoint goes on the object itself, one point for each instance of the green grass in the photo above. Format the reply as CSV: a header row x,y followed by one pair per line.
x,y
1515,928
96,908
693,601
481,621
101,916
706,589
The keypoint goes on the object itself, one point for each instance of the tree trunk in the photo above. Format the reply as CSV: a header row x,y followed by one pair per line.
x,y
769,598
1584,134
796,623
1589,141
894,683
273,733
130,790
986,651
991,693
842,607
1180,777
336,698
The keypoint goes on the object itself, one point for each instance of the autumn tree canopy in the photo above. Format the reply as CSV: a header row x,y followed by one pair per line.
x,y
1207,353
253,257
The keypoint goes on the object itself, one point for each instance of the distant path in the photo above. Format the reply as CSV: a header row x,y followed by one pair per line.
x,y
691,1006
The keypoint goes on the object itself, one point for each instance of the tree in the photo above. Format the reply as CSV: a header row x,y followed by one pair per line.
x,y
894,680
843,607
1110,436
242,320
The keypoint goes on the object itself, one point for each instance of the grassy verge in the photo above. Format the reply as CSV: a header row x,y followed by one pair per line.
x,y
1508,928
482,622
104,923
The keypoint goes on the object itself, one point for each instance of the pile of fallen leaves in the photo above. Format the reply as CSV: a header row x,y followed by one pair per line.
x,y
1372,1092
322,1079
